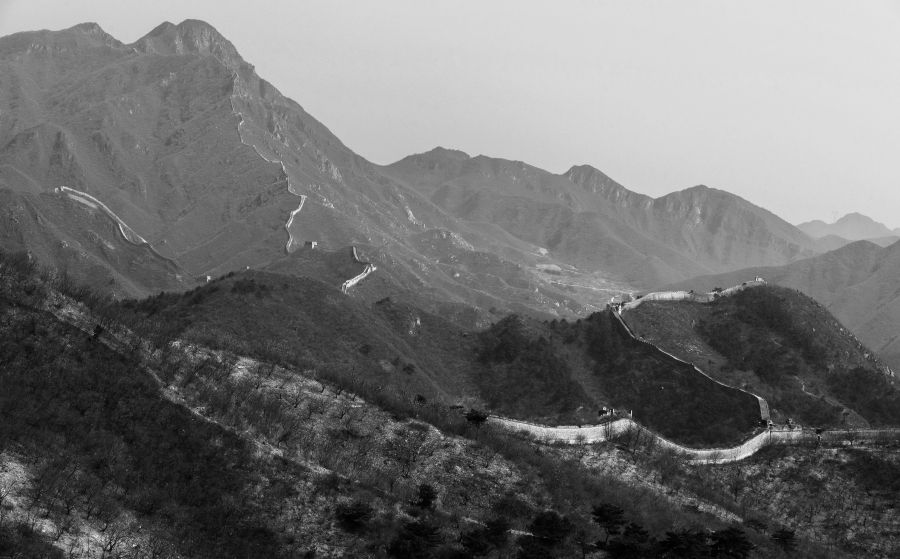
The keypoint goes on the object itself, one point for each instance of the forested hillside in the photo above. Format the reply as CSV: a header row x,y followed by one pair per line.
x,y
784,346
112,443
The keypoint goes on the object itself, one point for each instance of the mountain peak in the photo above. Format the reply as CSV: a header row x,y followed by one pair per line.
x,y
436,158
596,181
449,153
855,217
91,28
191,36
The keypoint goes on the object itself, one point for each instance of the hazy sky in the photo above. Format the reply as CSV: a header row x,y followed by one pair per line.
x,y
792,105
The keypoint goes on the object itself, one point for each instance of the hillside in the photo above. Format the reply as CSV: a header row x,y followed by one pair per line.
x,y
84,244
783,346
549,371
857,283
593,363
112,443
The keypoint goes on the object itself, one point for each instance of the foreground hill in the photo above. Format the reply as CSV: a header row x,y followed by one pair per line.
x,y
114,445
857,283
783,346
548,371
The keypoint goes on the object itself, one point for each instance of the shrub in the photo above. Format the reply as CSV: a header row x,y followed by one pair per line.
x,y
353,516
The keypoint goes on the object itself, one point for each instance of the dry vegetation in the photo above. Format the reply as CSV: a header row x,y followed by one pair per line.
x,y
116,446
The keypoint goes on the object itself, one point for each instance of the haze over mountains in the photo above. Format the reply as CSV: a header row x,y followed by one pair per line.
x,y
178,137
851,227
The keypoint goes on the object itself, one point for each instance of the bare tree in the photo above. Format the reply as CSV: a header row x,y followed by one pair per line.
x,y
115,536
406,448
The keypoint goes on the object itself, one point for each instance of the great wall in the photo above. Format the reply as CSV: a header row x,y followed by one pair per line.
x,y
622,429
690,295
618,428
127,232
345,287
617,313
292,243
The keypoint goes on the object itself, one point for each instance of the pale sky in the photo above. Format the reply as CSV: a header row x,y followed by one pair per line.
x,y
791,105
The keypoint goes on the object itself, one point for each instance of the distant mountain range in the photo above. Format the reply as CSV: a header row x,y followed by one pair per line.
x,y
851,227
180,139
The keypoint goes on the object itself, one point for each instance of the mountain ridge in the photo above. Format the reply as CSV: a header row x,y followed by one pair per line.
x,y
217,169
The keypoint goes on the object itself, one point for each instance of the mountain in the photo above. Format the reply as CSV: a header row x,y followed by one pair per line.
x,y
184,145
178,140
588,220
857,282
714,228
853,227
